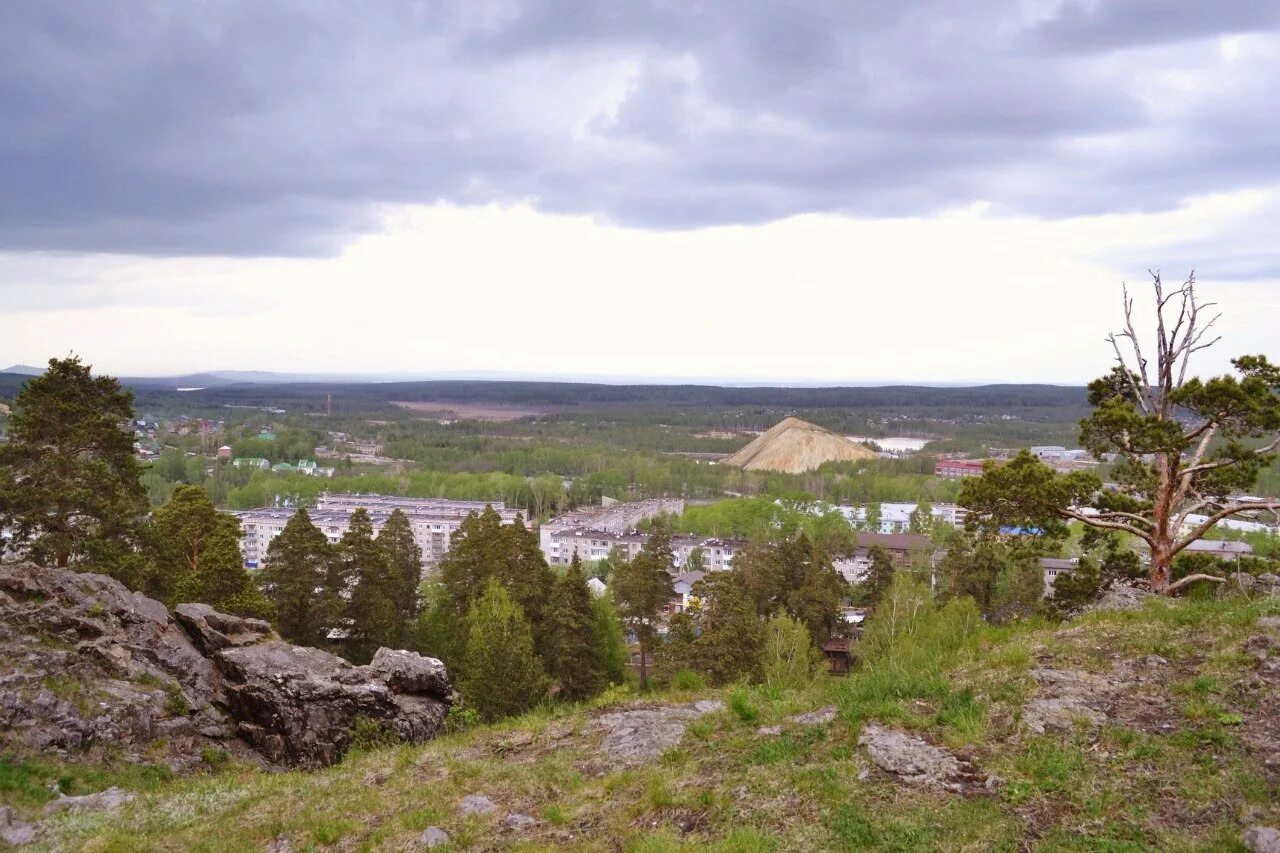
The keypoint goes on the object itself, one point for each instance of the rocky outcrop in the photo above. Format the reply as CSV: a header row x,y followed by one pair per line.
x,y
298,705
916,762
85,662
1070,698
640,733
1250,585
212,631
1261,839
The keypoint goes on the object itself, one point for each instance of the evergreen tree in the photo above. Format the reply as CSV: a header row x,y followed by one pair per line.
x,y
696,562
816,601
972,568
69,480
1078,587
643,587
611,656
404,560
794,576
302,581
503,674
483,548
678,650
437,632
879,576
373,612
197,552
1181,446
732,637
1025,587
572,636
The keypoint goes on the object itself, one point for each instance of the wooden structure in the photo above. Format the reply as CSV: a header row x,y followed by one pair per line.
x,y
839,660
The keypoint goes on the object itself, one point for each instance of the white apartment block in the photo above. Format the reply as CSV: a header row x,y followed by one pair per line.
x,y
616,518
433,521
896,517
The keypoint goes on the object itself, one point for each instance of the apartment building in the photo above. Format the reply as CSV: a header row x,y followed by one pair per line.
x,y
614,518
433,521
896,517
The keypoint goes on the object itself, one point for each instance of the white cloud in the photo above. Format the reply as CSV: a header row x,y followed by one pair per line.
x,y
962,297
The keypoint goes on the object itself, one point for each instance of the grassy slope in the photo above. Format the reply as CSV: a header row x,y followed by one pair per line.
x,y
1173,769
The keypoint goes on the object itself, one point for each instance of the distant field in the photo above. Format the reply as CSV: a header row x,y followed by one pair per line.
x,y
469,411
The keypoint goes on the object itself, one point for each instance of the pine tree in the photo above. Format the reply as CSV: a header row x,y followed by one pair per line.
x,y
483,548
879,576
678,650
372,613
302,581
404,560
816,602
611,656
643,587
197,551
792,575
69,481
972,568
572,636
1078,587
732,637
503,674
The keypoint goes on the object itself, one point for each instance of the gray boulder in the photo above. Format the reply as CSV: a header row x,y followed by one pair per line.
x,y
1261,839
298,705
14,831
433,836
409,672
915,762
131,675
517,821
475,804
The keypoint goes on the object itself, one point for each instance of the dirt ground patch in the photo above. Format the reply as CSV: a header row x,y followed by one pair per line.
x,y
469,411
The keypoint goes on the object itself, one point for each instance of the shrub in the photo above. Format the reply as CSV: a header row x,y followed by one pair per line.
x,y
790,659
367,734
687,679
742,707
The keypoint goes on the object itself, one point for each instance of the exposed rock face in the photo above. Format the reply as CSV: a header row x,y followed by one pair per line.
x,y
1261,839
297,705
108,800
14,831
84,661
645,732
1120,596
213,631
1070,698
912,760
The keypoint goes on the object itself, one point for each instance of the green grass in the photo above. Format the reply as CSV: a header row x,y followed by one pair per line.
x,y
936,671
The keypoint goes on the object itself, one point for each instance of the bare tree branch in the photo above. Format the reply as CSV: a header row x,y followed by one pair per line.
x,y
1108,525
1226,512
1190,579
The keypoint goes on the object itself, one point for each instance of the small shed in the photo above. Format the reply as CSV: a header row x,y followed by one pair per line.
x,y
839,660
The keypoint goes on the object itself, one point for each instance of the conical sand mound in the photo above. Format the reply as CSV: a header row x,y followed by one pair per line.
x,y
793,446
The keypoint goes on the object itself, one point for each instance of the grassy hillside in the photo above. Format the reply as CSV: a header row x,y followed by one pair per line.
x,y
1182,752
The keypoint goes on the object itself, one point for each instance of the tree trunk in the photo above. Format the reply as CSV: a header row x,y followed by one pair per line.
x,y
644,670
1161,571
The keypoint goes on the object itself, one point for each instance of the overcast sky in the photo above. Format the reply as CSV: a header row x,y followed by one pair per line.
x,y
844,192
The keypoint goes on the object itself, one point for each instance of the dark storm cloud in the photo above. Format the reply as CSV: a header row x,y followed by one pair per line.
x,y
274,128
